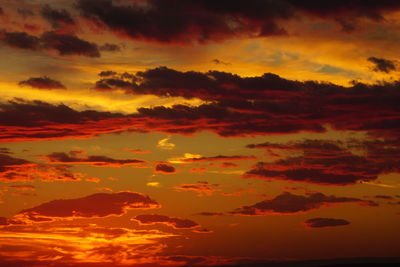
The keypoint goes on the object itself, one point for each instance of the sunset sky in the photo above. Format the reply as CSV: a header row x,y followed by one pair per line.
x,y
198,132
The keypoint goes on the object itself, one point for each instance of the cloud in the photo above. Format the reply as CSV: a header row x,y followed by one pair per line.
x,y
201,187
20,40
288,203
218,158
382,65
243,106
165,168
165,144
325,222
57,17
110,47
263,105
64,44
176,223
203,21
220,62
43,83
77,244
16,169
36,120
92,206
328,162
98,161
137,151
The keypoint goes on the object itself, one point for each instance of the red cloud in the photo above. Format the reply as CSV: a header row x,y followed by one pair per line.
x,y
176,223
325,222
23,121
96,205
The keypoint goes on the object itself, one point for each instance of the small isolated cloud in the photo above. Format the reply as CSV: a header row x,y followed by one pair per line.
x,y
220,62
176,223
99,161
92,206
165,168
165,144
382,65
325,222
201,187
43,83
218,158
153,184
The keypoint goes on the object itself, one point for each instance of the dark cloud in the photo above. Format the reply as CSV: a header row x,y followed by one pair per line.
x,y
20,40
220,62
384,197
382,65
36,120
64,44
288,203
328,162
267,104
201,21
176,223
249,106
325,222
99,161
92,206
165,168
43,83
57,17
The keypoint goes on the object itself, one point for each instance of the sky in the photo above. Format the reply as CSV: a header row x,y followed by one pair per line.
x,y
198,133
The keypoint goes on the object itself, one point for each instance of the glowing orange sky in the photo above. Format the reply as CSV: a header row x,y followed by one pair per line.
x,y
198,133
